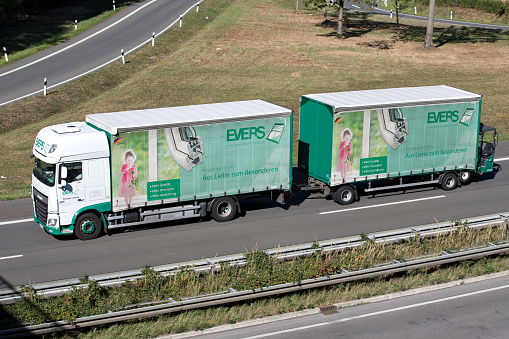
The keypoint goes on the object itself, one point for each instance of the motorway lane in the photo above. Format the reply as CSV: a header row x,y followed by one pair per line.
x,y
127,30
265,225
473,310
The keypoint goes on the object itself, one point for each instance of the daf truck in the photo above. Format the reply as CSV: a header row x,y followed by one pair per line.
x,y
129,168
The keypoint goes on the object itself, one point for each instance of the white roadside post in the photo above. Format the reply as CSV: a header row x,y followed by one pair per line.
x,y
153,38
75,25
391,13
451,15
415,10
45,86
5,54
113,4
123,57
180,21
197,8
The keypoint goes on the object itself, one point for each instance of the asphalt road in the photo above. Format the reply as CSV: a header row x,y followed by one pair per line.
x,y
475,310
90,50
28,254
381,9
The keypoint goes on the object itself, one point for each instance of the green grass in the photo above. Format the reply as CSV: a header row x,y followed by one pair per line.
x,y
262,49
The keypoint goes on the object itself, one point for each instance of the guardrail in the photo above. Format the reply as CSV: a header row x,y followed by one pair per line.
x,y
230,296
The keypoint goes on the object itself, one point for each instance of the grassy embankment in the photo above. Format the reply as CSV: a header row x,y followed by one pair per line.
x,y
262,49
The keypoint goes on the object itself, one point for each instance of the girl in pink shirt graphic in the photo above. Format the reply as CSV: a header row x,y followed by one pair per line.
x,y
129,172
345,150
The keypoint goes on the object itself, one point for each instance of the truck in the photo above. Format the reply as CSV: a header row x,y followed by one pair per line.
x,y
383,139
137,167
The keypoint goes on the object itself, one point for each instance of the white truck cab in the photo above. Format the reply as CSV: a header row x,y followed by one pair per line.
x,y
68,180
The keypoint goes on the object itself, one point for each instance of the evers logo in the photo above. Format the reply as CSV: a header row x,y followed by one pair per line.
x,y
445,116
245,133
41,145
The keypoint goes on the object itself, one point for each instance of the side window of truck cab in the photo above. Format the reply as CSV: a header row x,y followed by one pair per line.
x,y
74,172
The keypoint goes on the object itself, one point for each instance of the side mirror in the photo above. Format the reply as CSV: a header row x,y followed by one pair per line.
x,y
63,175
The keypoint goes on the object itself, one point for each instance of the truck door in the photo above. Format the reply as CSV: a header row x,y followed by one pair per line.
x,y
71,192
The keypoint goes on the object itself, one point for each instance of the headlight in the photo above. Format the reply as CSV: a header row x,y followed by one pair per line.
x,y
52,222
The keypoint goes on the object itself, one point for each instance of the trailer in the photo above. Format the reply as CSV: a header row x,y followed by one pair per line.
x,y
129,168
392,138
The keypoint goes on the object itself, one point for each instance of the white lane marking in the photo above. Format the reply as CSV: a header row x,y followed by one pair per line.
x,y
378,312
79,42
15,221
502,159
382,205
12,257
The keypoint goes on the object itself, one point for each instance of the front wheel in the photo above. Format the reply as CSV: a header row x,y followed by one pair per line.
x,y
450,181
344,195
223,209
88,226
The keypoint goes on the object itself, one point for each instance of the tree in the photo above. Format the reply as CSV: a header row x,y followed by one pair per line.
x,y
339,5
429,30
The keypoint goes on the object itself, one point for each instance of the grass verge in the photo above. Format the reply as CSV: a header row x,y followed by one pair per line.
x,y
260,271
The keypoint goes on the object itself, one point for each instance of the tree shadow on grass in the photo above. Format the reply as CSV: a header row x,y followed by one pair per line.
x,y
48,27
358,24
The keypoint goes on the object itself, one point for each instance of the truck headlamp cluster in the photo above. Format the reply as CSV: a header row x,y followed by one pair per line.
x,y
53,148
52,222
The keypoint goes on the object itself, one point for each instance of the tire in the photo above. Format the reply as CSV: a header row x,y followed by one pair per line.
x,y
344,195
88,226
449,181
465,176
223,209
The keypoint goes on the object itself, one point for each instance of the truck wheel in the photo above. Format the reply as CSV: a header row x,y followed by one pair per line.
x,y
88,226
449,181
465,176
223,209
344,195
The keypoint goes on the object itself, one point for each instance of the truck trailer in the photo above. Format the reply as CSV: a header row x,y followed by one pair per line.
x,y
144,166
392,138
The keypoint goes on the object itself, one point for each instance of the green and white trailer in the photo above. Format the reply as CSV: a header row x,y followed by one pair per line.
x,y
129,168
348,139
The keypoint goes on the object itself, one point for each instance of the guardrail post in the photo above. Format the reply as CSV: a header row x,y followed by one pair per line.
x,y
5,54
504,229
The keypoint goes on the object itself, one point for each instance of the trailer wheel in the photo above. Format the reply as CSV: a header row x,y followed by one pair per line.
x,y
88,226
465,176
449,181
344,195
223,209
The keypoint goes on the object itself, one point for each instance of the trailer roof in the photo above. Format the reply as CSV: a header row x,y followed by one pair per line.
x,y
393,97
157,118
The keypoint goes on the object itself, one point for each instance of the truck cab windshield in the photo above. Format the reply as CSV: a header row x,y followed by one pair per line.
x,y
44,172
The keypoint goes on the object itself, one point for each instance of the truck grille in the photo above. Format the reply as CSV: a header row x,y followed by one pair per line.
x,y
41,206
